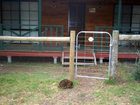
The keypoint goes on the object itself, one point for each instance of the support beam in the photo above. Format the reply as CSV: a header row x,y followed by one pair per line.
x,y
72,55
129,37
39,39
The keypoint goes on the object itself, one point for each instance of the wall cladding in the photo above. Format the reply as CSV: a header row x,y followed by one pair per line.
x,y
101,16
55,12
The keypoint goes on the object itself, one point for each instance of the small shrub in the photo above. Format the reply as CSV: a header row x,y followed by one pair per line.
x,y
136,73
110,81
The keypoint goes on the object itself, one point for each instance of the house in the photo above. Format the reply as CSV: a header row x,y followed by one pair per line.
x,y
58,17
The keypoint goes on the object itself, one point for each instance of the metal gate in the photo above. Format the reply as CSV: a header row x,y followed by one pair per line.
x,y
93,54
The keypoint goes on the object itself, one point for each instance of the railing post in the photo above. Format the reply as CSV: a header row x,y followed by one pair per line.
x,y
72,54
39,17
114,56
1,42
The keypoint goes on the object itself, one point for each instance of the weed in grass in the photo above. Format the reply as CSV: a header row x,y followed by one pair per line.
x,y
75,83
110,81
136,73
124,73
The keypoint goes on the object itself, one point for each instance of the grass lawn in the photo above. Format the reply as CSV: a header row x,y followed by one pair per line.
x,y
37,84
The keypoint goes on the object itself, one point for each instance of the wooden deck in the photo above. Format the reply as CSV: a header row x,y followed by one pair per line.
x,y
58,54
57,51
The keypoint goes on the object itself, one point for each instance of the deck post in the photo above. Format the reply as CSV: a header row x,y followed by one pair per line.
x,y
9,59
114,56
72,54
101,60
55,60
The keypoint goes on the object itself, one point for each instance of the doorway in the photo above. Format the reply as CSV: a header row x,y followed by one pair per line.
x,y
77,18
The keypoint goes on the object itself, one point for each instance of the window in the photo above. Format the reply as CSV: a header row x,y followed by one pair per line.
x,y
135,26
77,15
126,19
20,16
130,20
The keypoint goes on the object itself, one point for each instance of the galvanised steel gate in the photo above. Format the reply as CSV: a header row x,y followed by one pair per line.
x,y
93,54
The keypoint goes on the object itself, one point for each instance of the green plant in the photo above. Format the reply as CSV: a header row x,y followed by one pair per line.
x,y
110,81
136,73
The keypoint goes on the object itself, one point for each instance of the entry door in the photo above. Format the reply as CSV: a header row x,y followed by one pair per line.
x,y
77,17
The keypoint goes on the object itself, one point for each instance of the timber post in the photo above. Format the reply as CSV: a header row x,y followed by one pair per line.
x,y
114,61
72,55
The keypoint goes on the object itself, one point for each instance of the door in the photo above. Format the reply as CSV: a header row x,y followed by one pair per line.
x,y
77,18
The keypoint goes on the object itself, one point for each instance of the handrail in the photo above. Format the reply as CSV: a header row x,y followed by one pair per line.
x,y
58,28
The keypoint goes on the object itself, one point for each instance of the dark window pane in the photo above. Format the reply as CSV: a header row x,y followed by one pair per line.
x,y
24,6
33,16
33,6
24,15
136,19
7,23
6,15
6,5
126,19
15,15
15,5
15,25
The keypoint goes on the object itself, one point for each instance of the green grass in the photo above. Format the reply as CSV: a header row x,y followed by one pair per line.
x,y
116,94
121,89
110,81
35,85
136,73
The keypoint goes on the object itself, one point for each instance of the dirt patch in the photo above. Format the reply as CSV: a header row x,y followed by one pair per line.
x,y
82,94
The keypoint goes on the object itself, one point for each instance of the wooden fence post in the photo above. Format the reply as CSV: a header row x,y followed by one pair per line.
x,y
114,56
72,55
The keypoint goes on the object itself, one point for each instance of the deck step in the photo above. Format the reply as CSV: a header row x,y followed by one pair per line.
x,y
79,63
65,59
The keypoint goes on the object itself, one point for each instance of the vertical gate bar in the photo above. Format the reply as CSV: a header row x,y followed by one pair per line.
x,y
110,56
76,55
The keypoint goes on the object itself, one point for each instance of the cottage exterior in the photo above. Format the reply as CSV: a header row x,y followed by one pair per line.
x,y
58,17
